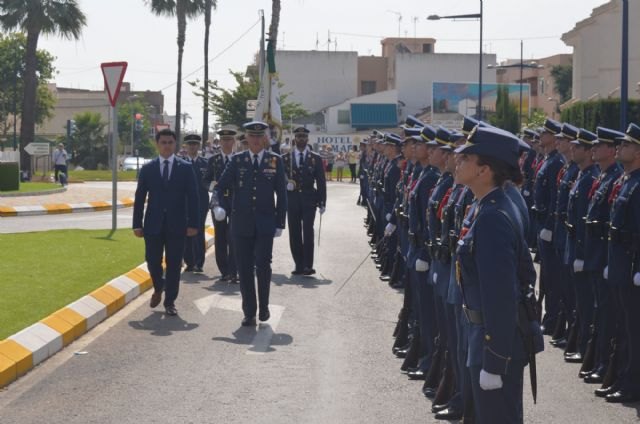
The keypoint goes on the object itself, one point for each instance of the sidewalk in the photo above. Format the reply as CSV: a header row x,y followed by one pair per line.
x,y
81,197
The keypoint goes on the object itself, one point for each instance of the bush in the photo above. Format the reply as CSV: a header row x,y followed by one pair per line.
x,y
603,113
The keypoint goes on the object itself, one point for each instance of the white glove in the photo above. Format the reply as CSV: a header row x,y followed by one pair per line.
x,y
388,217
578,265
605,273
389,229
290,186
546,235
490,381
636,279
434,277
422,266
526,193
219,213
278,232
321,209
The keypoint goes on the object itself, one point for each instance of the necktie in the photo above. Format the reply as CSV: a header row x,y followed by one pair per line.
x,y
256,164
165,172
300,160
226,160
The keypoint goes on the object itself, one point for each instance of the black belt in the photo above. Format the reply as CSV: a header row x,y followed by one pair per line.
x,y
474,317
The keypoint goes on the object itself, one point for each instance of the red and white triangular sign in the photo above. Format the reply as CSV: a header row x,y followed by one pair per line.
x,y
113,73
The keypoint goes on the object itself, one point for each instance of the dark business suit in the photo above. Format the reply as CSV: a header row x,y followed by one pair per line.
x,y
172,206
255,216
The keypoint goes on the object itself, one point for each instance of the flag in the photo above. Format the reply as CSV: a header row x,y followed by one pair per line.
x,y
268,106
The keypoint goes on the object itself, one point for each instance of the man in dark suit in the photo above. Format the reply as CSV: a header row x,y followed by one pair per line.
x,y
194,247
254,176
307,190
168,185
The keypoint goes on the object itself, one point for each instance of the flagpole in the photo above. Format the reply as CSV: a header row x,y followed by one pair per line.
x,y
261,59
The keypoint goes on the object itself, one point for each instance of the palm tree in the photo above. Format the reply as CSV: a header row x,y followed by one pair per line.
x,y
208,5
50,17
275,21
182,10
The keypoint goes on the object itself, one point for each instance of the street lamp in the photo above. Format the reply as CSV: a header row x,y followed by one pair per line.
x,y
624,72
469,16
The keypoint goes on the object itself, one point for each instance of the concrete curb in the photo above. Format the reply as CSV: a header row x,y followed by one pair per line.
x,y
60,208
24,350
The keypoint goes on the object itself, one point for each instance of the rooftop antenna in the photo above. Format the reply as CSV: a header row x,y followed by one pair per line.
x,y
335,44
328,41
317,41
399,15
415,21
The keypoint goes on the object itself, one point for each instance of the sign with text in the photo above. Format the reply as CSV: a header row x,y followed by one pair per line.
x,y
338,142
37,149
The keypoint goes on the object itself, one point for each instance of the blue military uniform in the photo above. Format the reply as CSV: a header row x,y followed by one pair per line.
x,y
306,191
256,216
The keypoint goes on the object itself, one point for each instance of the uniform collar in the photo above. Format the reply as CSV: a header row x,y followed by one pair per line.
x,y
170,159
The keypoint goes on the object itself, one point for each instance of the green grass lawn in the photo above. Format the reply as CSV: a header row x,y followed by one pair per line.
x,y
104,175
31,187
42,272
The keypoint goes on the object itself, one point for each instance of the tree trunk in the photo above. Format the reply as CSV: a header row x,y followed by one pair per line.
x,y
275,21
205,96
182,29
28,121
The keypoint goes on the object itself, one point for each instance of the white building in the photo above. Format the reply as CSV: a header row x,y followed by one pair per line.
x,y
597,52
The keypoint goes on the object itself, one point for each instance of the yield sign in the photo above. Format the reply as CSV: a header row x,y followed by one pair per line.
x,y
113,73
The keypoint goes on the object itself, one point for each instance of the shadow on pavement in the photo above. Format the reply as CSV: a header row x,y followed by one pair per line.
x,y
159,324
305,282
251,336
224,288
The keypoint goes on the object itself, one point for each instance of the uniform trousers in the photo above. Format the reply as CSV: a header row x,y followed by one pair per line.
x,y
301,217
629,380
423,304
550,276
502,405
194,246
225,252
254,253
585,307
605,318
172,246
453,313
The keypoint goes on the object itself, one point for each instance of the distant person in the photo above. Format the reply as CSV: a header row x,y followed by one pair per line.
x,y
60,163
169,188
352,159
340,164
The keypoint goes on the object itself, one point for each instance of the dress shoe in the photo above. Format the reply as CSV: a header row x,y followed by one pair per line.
x,y
398,285
575,358
198,270
594,378
450,414
438,408
429,392
401,353
308,271
416,375
156,297
603,392
561,342
249,322
188,269
171,310
225,278
297,272
384,277
622,397
264,315
583,374
234,280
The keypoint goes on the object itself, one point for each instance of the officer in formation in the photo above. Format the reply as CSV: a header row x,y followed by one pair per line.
x,y
224,250
306,192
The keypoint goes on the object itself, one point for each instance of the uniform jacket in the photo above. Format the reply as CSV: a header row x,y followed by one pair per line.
x,y
200,168
418,205
309,180
624,244
576,211
566,178
215,168
546,190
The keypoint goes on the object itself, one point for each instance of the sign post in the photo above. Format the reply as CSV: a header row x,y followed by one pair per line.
x,y
113,73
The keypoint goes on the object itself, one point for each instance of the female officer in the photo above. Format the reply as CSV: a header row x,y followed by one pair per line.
x,y
489,265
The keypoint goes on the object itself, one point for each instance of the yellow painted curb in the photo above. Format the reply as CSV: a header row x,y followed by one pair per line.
x,y
141,277
100,206
78,322
7,211
55,208
112,298
127,201
20,355
7,371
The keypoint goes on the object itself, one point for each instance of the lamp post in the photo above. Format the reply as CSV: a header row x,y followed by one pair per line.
x,y
624,72
470,16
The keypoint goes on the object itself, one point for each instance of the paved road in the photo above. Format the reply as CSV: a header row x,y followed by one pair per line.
x,y
325,356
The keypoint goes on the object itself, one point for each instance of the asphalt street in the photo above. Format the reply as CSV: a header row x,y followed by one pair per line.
x,y
324,357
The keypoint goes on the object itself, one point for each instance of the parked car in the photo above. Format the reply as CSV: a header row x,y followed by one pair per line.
x,y
131,163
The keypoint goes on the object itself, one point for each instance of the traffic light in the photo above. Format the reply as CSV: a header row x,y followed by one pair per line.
x,y
138,124
71,127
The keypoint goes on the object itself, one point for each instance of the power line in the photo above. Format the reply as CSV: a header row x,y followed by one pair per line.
x,y
545,37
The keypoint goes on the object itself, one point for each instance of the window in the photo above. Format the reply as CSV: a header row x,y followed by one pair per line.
x,y
427,48
367,87
344,117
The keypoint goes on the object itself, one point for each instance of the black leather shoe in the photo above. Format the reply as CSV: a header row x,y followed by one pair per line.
x,y
264,315
308,271
449,414
416,375
402,353
622,397
594,378
429,392
384,277
558,342
438,408
198,270
297,272
575,358
249,321
234,280
604,391
583,374
156,297
171,311
188,269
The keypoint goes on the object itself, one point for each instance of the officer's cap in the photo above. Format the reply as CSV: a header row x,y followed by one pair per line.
x,y
428,133
364,141
392,139
456,137
301,130
442,138
492,142
551,126
255,127
226,132
412,122
608,136
192,139
632,135
585,138
568,131
469,123
410,132
531,134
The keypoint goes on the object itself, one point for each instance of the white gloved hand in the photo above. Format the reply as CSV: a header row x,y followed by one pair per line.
x,y
546,235
212,185
578,265
322,209
526,193
636,279
219,213
290,186
605,273
278,232
388,217
389,229
422,266
490,381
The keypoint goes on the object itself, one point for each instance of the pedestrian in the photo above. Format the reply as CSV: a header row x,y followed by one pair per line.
x,y
306,191
254,176
194,247
340,163
168,186
352,159
490,258
60,164
329,158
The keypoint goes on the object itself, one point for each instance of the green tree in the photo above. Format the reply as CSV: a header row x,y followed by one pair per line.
x,y
89,141
537,119
562,81
182,10
142,139
506,116
230,106
35,17
12,47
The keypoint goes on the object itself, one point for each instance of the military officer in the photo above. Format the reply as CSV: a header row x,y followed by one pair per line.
x,y
527,167
224,250
254,176
390,178
306,191
194,246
